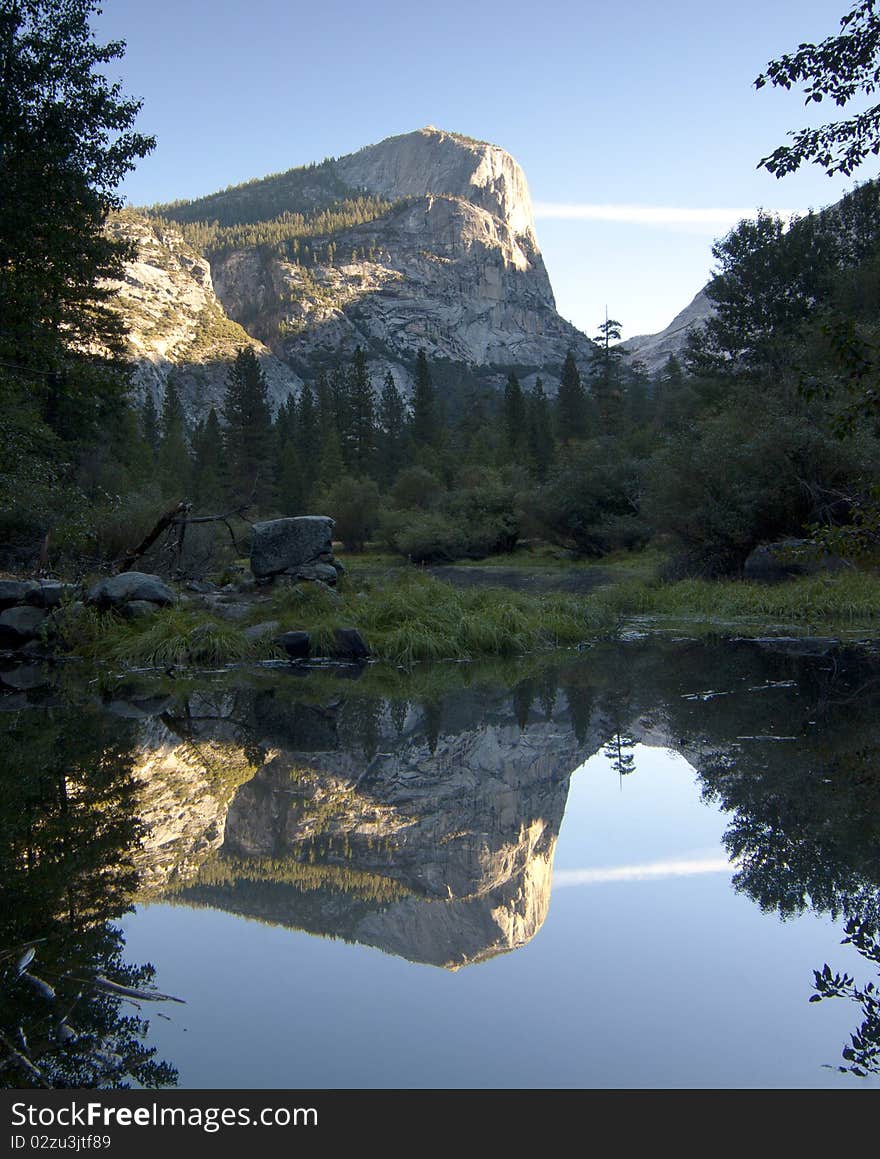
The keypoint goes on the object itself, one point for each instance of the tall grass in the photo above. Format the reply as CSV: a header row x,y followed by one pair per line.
x,y
409,616
179,638
849,597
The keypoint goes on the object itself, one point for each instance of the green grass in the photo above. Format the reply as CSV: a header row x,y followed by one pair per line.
x,y
850,597
176,638
407,616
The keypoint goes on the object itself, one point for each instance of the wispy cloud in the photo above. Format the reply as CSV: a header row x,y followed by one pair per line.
x,y
673,216
651,871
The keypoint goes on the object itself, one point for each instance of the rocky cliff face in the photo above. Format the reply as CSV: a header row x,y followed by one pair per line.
x,y
177,328
654,350
453,267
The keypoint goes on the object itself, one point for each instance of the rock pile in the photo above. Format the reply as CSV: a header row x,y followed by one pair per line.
x,y
26,605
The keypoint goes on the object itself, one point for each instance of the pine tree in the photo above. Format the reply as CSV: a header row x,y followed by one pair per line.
x,y
332,465
540,430
308,441
361,407
292,493
392,433
65,144
285,420
513,417
248,431
571,402
150,423
424,426
175,466
606,371
209,485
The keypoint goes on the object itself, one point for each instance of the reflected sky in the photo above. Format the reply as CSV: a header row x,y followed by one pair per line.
x,y
648,978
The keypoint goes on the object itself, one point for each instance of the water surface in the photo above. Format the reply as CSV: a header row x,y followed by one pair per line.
x,y
616,868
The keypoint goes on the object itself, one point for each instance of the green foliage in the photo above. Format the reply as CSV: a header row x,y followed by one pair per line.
x,y
840,68
851,597
177,638
247,436
591,500
354,504
67,143
571,403
428,525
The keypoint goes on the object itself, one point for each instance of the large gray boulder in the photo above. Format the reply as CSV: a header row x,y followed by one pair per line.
x,y
773,562
286,545
121,589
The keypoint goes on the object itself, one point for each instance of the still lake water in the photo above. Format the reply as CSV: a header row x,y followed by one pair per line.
x,y
612,869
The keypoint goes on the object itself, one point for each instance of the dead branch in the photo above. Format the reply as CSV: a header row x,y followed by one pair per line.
x,y
147,542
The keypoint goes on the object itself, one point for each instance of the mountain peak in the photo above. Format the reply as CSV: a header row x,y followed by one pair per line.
x,y
432,161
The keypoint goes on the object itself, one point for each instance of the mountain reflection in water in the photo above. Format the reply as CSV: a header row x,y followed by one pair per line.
x,y
423,819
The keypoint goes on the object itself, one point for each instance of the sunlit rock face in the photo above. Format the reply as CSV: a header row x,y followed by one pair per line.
x,y
177,328
186,786
454,268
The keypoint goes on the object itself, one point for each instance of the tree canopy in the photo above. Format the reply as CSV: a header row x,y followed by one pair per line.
x,y
66,141
839,69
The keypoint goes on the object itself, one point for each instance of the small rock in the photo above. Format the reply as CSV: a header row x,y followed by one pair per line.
x,y
50,593
258,631
349,644
138,609
773,562
324,572
234,612
295,644
201,587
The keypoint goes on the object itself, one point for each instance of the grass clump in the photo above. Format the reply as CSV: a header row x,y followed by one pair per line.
x,y
178,638
852,597
408,616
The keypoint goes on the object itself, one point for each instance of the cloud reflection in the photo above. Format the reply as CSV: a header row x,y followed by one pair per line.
x,y
651,871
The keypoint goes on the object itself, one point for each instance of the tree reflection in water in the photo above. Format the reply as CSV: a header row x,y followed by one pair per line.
x,y
806,833
68,831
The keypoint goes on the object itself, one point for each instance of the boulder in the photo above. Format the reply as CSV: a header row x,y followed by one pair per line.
x,y
121,589
295,644
349,644
773,562
15,591
49,593
19,625
286,545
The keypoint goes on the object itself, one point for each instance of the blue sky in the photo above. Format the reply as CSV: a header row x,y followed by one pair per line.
x,y
606,107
